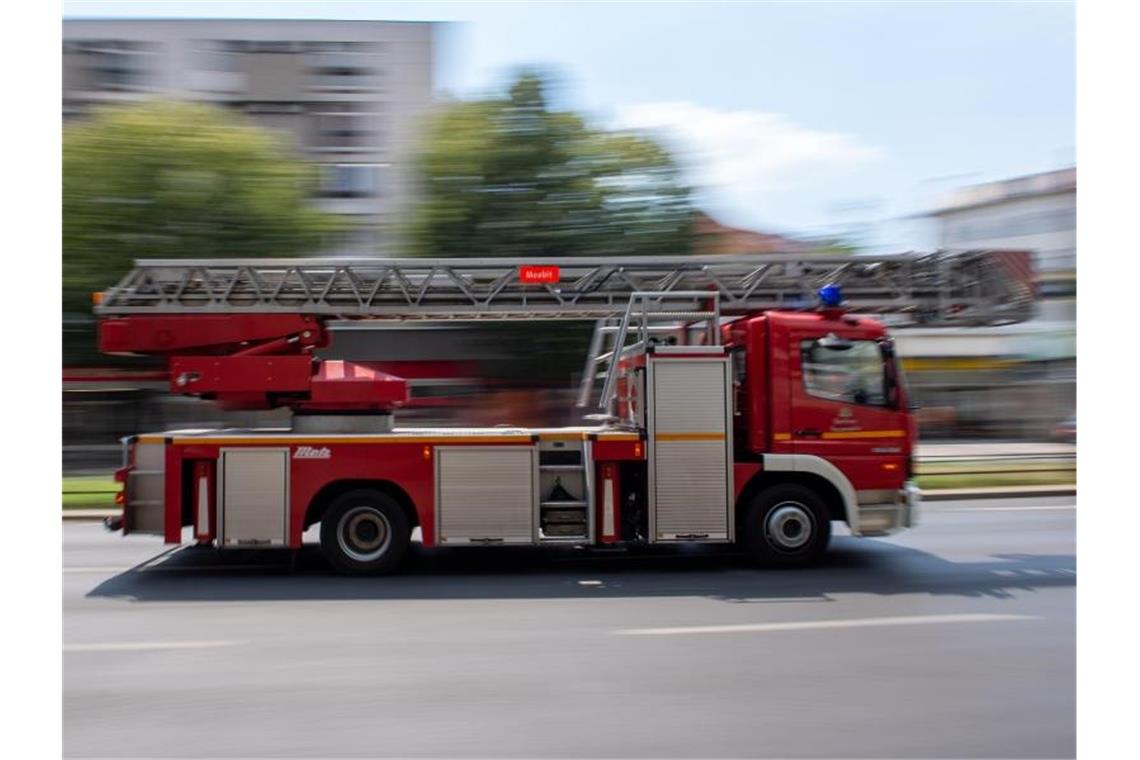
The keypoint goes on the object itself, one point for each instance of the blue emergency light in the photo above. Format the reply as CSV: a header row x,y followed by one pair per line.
x,y
830,295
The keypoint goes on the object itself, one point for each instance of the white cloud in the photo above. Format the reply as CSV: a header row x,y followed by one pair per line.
x,y
745,156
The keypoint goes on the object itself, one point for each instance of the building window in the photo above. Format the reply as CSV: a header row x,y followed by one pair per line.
x,y
270,46
350,180
1017,225
341,66
341,131
218,55
113,64
341,77
338,46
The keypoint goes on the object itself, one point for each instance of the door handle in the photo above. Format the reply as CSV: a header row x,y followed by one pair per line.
x,y
808,433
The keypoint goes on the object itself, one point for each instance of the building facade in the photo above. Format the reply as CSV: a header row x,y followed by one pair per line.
x,y
1037,213
1011,381
347,95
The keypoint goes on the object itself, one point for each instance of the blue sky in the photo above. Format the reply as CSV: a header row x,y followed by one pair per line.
x,y
798,117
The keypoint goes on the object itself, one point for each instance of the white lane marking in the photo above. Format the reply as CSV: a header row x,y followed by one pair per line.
x,y
811,624
1049,508
141,646
96,569
180,569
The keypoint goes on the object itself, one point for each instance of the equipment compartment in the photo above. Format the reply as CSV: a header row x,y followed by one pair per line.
x,y
254,496
564,490
486,494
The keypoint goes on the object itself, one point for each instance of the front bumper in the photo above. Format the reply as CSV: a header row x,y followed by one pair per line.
x,y
885,518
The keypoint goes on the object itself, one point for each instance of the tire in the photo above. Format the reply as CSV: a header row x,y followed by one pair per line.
x,y
787,526
365,532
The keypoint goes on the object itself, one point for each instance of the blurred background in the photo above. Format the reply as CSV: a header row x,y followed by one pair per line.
x,y
504,130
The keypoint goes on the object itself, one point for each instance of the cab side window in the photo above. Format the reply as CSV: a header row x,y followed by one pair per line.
x,y
738,380
852,374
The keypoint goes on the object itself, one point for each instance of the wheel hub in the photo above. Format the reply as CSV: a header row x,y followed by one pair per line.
x,y
789,526
364,534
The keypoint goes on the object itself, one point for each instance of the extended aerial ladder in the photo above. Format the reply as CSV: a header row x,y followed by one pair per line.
x,y
243,331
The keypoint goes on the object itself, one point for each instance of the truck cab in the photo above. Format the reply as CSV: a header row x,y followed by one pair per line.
x,y
819,397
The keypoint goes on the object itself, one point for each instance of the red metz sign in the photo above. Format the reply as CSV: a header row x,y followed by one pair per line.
x,y
537,275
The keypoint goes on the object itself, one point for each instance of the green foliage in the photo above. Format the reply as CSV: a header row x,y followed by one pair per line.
x,y
507,176
177,180
834,247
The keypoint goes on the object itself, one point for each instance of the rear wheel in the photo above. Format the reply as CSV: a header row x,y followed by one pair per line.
x,y
365,532
787,526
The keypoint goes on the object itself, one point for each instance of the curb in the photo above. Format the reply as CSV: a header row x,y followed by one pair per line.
x,y
998,492
90,514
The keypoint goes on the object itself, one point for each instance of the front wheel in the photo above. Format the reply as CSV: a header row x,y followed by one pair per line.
x,y
365,533
787,526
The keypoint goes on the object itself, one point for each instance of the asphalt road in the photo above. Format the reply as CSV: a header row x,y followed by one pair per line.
x,y
956,639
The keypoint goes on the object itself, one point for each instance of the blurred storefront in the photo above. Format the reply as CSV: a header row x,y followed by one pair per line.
x,y
1020,386
1015,381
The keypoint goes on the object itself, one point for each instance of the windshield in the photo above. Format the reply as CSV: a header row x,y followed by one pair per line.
x,y
852,374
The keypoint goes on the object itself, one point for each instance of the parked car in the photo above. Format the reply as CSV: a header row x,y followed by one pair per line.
x,y
1066,430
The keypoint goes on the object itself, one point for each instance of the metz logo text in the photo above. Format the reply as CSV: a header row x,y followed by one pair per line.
x,y
312,452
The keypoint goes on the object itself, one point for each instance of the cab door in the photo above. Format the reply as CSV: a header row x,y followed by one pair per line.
x,y
845,406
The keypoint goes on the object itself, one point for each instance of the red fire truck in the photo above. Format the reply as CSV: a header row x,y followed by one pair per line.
x,y
737,399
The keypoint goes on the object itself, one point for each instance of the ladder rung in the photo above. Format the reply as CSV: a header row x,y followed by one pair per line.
x,y
631,347
680,314
651,328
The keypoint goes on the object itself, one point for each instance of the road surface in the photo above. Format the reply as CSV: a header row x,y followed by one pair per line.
x,y
956,639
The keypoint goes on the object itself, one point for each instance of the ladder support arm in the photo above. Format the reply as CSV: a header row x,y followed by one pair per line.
x,y
169,334
254,361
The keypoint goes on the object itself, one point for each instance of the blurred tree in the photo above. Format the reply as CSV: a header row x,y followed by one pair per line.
x,y
176,180
508,176
834,246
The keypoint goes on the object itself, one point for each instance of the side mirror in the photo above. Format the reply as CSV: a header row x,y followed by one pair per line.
x,y
894,377
892,385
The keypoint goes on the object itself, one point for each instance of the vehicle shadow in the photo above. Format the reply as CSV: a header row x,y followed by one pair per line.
x,y
851,566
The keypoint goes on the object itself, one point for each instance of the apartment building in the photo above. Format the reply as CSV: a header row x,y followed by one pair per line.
x,y
348,95
1037,212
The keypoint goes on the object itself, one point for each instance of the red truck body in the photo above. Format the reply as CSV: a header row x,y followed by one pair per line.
x,y
782,427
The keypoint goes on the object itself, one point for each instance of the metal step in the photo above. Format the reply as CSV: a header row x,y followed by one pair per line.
x,y
560,539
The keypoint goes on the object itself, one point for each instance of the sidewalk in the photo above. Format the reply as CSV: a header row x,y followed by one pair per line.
x,y
992,448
